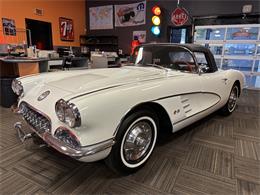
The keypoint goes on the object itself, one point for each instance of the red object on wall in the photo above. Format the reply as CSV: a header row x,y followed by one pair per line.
x,y
156,10
66,29
179,16
134,44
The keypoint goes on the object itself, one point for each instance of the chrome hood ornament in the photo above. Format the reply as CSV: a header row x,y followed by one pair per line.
x,y
43,95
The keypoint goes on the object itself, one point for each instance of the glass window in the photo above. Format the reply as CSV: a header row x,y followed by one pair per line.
x,y
242,33
215,34
200,34
201,58
216,49
218,62
210,34
175,58
257,66
258,49
252,81
240,49
242,65
202,61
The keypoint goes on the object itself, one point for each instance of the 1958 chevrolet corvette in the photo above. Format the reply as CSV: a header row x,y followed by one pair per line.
x,y
116,114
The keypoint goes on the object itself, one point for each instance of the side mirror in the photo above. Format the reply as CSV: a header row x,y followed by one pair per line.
x,y
200,70
203,69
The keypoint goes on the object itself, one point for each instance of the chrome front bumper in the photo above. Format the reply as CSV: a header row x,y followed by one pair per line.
x,y
87,153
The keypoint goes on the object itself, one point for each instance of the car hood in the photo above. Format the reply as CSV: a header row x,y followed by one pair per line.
x,y
98,79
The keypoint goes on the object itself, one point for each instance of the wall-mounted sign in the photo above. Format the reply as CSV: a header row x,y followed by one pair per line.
x,y
141,36
66,29
101,17
179,16
38,11
130,14
246,9
9,27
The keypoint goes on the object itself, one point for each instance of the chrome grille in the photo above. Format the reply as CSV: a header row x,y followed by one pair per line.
x,y
35,119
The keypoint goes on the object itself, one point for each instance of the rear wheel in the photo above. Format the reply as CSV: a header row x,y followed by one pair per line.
x,y
232,101
135,142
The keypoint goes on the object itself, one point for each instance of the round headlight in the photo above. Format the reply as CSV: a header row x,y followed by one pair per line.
x,y
68,113
17,87
60,110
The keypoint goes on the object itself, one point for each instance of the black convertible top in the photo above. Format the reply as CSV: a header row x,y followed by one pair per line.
x,y
192,48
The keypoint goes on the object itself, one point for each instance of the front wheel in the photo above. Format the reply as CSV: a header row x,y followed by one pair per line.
x,y
232,101
135,142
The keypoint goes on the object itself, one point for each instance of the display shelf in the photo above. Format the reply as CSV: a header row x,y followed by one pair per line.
x,y
90,43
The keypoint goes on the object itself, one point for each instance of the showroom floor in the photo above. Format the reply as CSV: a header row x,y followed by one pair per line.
x,y
219,155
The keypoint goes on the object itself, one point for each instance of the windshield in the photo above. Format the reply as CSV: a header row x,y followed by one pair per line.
x,y
171,57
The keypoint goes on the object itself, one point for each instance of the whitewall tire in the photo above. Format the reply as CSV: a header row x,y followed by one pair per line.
x,y
231,104
135,141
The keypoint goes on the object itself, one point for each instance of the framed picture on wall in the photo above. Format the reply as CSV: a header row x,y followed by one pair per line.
x,y
9,27
66,29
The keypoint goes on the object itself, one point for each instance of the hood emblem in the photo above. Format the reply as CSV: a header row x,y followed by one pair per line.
x,y
43,95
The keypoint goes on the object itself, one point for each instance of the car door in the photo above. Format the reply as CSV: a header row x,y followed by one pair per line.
x,y
184,105
213,82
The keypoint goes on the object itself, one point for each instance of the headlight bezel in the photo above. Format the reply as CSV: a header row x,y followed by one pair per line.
x,y
17,87
68,113
68,137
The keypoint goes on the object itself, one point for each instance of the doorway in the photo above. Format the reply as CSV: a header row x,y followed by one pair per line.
x,y
39,33
180,34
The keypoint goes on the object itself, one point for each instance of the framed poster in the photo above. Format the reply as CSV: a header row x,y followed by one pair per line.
x,y
130,14
101,17
9,27
141,35
66,29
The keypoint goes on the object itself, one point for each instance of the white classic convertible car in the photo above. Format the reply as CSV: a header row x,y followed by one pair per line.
x,y
116,114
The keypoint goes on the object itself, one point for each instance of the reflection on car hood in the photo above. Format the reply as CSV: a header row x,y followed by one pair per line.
x,y
98,79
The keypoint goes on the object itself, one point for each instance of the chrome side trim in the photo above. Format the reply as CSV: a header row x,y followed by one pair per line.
x,y
196,113
170,96
186,94
95,91
111,87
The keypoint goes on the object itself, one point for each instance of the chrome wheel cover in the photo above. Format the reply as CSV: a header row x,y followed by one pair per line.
x,y
232,101
138,142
